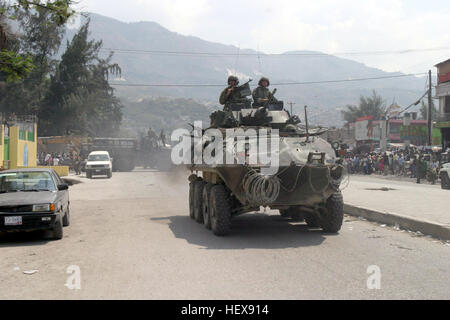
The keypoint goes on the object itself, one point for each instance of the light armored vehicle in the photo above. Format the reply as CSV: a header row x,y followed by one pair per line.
x,y
303,186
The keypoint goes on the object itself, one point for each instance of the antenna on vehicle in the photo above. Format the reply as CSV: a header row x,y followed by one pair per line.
x,y
306,123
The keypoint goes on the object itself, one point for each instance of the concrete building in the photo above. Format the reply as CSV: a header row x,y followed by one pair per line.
x,y
18,142
369,132
443,94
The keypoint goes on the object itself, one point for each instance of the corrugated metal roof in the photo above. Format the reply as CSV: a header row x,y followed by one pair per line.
x,y
443,62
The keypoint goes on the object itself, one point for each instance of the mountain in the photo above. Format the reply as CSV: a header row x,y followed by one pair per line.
x,y
297,66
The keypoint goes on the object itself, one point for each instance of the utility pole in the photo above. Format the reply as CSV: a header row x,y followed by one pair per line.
x,y
291,103
429,109
383,140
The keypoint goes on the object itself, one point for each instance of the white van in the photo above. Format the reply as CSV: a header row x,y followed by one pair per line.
x,y
99,163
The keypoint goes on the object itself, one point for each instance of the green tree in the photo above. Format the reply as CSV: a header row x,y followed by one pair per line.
x,y
80,99
14,65
40,39
368,106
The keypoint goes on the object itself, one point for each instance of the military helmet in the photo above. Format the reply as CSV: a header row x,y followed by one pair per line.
x,y
233,78
264,79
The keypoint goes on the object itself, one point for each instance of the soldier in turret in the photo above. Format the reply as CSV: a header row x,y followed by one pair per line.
x,y
262,94
230,94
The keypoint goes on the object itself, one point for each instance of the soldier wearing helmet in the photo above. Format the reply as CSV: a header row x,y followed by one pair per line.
x,y
262,94
229,94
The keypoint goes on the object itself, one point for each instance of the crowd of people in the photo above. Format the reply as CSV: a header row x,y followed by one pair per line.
x,y
409,162
73,160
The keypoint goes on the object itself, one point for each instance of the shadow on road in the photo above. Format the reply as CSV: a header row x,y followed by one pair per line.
x,y
257,231
23,239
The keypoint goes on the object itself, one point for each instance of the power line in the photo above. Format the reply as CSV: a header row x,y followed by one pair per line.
x,y
275,84
258,54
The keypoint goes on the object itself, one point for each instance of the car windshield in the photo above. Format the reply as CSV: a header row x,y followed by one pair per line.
x,y
26,181
98,157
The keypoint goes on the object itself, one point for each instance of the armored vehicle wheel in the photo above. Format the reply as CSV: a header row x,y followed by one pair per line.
x,y
198,199
445,181
285,213
220,211
191,200
331,219
205,205
293,212
312,220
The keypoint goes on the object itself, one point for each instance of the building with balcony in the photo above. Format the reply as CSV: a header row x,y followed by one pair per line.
x,y
443,94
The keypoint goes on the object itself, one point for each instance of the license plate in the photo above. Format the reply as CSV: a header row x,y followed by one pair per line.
x,y
13,221
98,170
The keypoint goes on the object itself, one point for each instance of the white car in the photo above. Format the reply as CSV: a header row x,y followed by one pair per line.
x,y
99,163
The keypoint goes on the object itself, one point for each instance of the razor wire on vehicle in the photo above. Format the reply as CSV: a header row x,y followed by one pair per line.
x,y
260,188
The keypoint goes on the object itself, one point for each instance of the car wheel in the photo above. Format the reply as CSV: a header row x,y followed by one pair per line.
x,y
109,175
57,231
88,175
66,219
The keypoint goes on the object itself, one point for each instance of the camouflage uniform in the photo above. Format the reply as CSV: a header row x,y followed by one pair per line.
x,y
262,93
234,95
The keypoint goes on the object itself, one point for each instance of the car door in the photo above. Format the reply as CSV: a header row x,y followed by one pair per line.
x,y
62,195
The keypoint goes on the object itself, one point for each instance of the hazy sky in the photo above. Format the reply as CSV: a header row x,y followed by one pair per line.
x,y
321,25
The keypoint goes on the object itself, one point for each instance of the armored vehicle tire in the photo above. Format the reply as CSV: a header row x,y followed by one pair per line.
x,y
191,199
445,181
205,205
312,220
284,213
198,199
293,212
220,211
332,217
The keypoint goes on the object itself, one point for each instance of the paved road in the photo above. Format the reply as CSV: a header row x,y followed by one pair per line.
x,y
132,238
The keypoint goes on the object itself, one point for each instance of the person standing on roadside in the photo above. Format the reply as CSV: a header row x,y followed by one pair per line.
x,y
419,168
